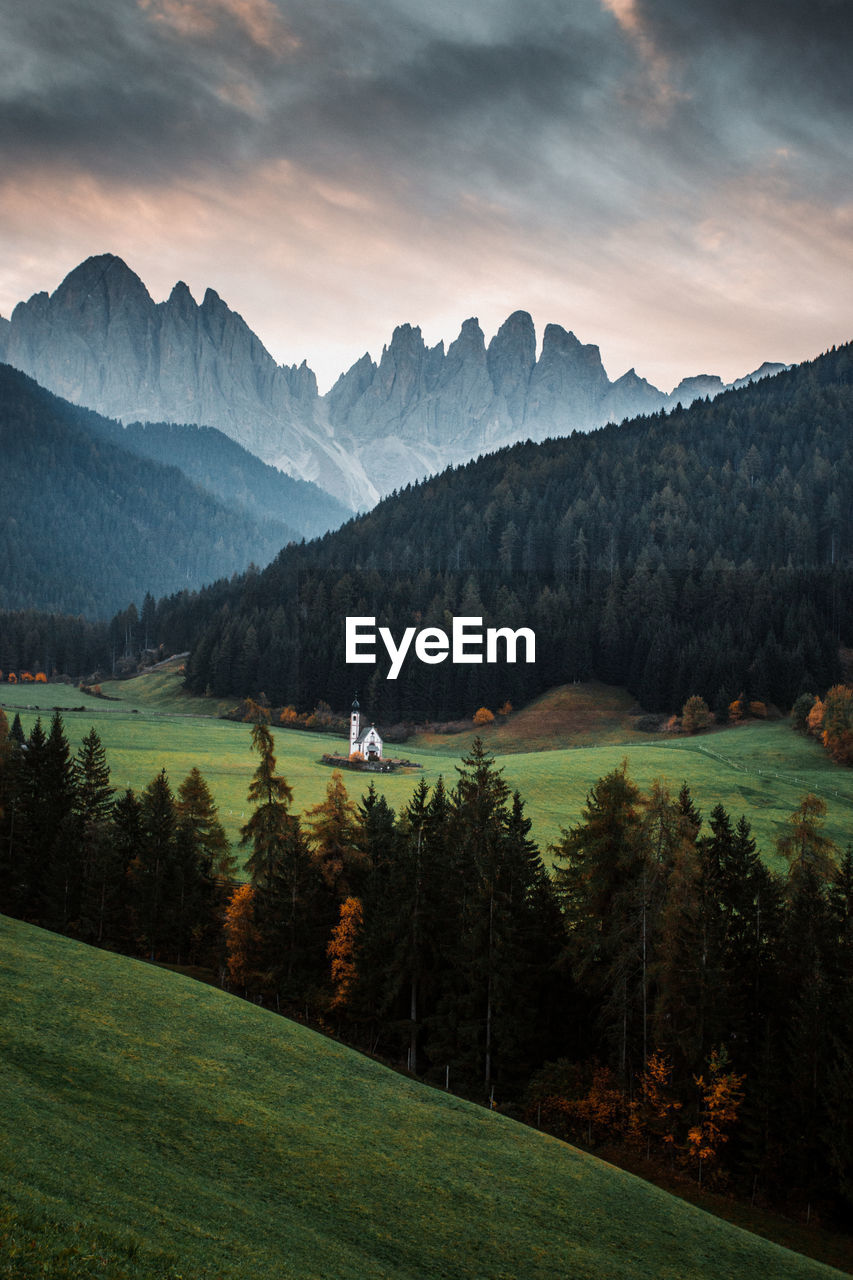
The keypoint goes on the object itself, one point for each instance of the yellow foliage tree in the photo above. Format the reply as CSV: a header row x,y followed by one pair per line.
x,y
483,716
722,1095
837,723
603,1108
341,951
655,1114
241,936
814,719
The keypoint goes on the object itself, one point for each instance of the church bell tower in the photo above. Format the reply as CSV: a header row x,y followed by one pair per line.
x,y
354,725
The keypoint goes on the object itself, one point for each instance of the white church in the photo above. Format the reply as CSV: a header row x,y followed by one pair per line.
x,y
367,741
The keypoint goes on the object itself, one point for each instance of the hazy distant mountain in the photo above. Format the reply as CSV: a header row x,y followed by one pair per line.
x,y
89,527
100,340
421,409
223,467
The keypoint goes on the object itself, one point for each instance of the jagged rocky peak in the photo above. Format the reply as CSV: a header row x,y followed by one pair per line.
x,y
690,389
350,386
102,280
567,385
511,358
180,299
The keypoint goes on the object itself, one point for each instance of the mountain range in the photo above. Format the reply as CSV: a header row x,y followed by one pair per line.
x,y
101,341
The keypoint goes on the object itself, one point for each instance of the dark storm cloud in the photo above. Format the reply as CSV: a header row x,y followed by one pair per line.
x,y
795,51
105,87
758,75
142,90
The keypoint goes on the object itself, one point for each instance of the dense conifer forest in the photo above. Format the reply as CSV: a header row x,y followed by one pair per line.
x,y
223,467
87,526
662,990
703,551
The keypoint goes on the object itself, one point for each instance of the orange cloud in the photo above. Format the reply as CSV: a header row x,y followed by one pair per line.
x,y
259,19
657,64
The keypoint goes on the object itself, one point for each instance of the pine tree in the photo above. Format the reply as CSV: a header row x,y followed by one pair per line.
x,y
197,812
64,870
601,888
268,828
153,871
93,807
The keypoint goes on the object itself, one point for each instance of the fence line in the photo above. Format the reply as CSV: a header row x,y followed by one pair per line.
x,y
788,779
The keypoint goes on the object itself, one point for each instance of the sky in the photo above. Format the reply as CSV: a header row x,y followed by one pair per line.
x,y
672,181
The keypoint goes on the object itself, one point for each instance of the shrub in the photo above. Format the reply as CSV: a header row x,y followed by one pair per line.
x,y
800,712
696,715
483,716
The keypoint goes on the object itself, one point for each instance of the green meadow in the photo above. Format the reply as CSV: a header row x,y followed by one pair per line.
x,y
552,752
158,1127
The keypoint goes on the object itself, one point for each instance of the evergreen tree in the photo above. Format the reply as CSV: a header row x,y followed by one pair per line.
x,y
269,826
93,807
153,871
198,813
601,888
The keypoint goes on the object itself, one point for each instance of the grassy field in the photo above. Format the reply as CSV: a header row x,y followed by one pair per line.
x,y
155,1126
552,752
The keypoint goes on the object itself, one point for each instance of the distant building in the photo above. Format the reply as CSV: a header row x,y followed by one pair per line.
x,y
367,741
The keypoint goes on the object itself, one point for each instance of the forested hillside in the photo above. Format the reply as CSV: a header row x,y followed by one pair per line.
x,y
705,551
223,467
87,527
662,990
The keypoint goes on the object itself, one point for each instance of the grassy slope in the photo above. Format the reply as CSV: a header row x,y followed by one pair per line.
x,y
178,1121
760,769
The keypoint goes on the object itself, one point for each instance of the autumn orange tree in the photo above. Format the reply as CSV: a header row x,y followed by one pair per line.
x,y
656,1112
241,936
342,951
837,723
721,1098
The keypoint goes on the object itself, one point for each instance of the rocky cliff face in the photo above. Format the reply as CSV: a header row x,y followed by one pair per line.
x,y
101,341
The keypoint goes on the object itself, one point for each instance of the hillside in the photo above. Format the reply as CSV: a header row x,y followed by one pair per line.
x,y
706,551
88,526
168,1124
221,466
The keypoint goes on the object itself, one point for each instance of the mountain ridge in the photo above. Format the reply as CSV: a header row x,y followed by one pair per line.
x,y
119,524
101,340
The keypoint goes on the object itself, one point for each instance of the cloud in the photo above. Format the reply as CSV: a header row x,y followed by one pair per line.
x,y
260,20
631,168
